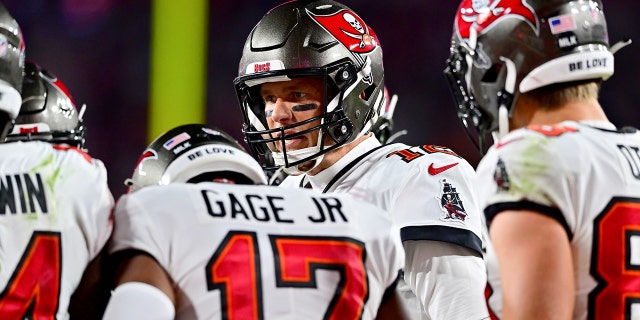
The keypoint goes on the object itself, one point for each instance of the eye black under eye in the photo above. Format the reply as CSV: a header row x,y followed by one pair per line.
x,y
304,107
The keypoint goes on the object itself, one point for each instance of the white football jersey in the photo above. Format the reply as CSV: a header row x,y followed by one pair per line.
x,y
587,177
427,189
55,217
429,193
262,252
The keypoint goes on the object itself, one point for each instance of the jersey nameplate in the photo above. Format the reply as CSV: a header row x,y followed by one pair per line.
x,y
270,208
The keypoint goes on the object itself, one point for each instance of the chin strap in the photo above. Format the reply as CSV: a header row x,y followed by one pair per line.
x,y
296,155
280,160
503,121
505,98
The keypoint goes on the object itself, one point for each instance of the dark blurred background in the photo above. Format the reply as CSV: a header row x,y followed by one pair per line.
x,y
100,50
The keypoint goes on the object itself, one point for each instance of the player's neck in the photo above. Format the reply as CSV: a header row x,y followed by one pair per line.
x,y
333,156
575,110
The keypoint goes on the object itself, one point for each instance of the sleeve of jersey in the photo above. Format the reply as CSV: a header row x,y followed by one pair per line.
x,y
439,205
448,280
134,228
97,205
533,176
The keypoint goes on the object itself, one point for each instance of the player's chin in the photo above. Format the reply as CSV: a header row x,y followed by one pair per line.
x,y
306,166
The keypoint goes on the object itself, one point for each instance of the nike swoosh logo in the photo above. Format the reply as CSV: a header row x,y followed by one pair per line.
x,y
437,170
501,144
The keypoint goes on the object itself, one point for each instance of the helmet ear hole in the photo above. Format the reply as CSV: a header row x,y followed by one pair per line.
x,y
366,93
491,75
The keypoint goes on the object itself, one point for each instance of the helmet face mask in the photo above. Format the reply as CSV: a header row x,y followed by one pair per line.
x,y
501,49
194,153
333,125
48,111
305,40
473,118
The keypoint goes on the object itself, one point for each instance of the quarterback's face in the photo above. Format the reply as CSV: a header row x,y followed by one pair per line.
x,y
289,102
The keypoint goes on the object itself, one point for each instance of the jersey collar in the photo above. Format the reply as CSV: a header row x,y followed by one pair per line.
x,y
324,177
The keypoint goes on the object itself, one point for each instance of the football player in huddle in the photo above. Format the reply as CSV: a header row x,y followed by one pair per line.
x,y
200,236
55,204
560,184
311,87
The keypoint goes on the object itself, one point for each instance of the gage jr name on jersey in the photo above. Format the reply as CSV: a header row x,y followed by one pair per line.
x,y
270,208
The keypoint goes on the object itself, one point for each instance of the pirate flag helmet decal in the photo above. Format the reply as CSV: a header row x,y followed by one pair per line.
x,y
349,29
483,14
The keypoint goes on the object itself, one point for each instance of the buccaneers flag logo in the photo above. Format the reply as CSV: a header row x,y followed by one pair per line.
x,y
484,13
349,29
451,204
